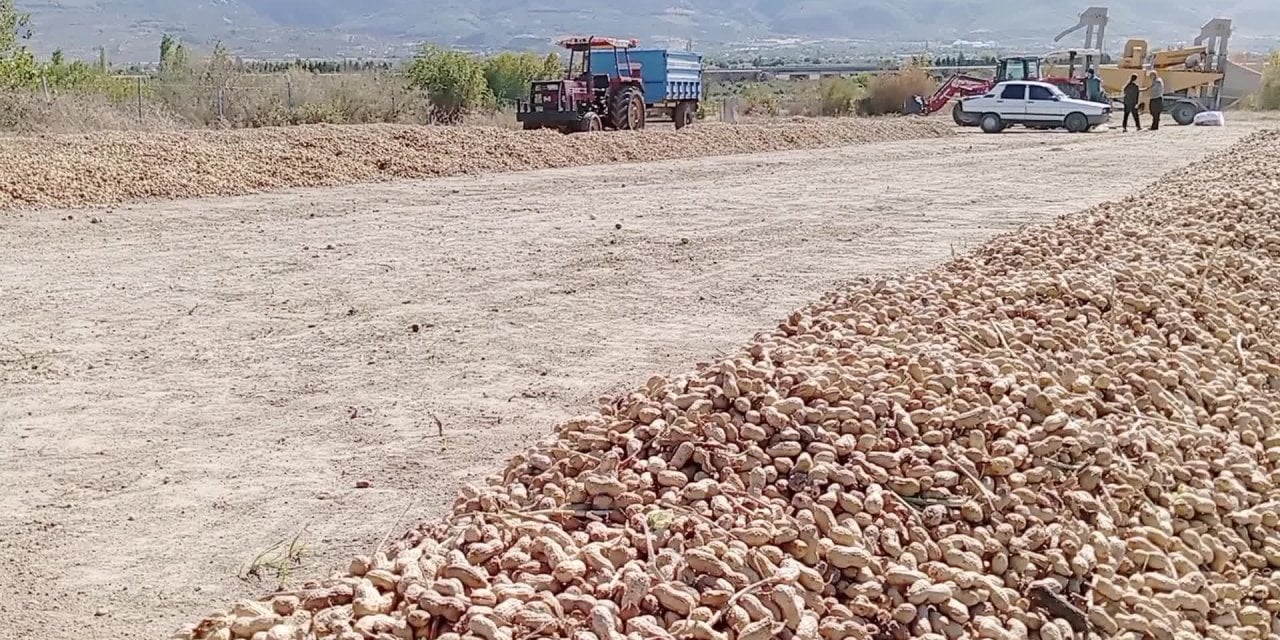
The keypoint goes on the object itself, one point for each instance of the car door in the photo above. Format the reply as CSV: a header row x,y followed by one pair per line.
x,y
1011,101
1043,105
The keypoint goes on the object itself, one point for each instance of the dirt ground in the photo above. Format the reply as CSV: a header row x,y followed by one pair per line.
x,y
186,384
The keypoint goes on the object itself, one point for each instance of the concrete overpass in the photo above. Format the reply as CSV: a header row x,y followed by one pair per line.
x,y
815,71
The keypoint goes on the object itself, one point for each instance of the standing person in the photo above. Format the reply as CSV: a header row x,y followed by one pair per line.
x,y
1131,93
1157,100
1093,87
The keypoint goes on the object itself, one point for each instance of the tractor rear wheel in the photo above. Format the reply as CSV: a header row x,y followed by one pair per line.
x,y
684,114
627,109
962,117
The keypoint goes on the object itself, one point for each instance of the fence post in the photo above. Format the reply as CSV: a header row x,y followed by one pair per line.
x,y
139,92
729,110
44,83
288,82
221,112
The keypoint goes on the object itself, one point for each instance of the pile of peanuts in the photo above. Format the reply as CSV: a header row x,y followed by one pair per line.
x,y
1072,430
126,166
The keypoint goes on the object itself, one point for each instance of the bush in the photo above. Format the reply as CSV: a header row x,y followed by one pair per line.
x,y
454,82
889,92
840,96
508,74
759,100
1268,96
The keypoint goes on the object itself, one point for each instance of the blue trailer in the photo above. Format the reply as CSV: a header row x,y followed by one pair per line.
x,y
672,80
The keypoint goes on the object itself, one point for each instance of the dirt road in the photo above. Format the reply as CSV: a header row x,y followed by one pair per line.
x,y
186,384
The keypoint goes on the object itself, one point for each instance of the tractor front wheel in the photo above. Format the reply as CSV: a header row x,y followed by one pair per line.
x,y
590,124
962,117
627,110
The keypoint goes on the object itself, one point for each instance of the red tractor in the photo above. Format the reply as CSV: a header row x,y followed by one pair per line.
x,y
962,85
590,99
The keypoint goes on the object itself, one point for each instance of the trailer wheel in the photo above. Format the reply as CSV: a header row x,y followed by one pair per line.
x,y
627,109
684,113
1184,113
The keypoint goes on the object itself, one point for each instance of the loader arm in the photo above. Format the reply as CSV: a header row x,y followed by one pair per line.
x,y
1094,21
957,86
1066,32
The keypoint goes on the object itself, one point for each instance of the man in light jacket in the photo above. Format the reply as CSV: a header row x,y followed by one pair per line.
x,y
1157,99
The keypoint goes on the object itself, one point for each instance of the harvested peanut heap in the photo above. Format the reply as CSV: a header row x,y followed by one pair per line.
x,y
110,167
1073,428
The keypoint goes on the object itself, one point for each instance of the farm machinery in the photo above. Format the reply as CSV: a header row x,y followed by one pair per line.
x,y
1196,78
961,85
592,99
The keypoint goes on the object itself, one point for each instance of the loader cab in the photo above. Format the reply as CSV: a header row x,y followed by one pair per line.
x,y
1019,68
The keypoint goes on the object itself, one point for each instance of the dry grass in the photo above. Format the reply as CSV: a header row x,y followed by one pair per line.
x,y
278,561
22,112
243,100
501,119
888,93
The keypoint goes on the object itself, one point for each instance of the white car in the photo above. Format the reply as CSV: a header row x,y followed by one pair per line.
x,y
1038,105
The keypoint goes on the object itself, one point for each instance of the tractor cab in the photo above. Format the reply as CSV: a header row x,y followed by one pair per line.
x,y
1067,69
588,99
597,80
1018,68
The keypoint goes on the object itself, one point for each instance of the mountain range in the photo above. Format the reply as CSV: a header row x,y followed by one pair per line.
x,y
130,30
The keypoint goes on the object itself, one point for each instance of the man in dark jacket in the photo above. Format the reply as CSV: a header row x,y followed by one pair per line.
x,y
1131,93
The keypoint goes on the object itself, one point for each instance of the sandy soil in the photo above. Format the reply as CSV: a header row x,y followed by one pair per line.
x,y
186,384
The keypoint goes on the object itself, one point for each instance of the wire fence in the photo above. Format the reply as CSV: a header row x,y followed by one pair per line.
x,y
237,99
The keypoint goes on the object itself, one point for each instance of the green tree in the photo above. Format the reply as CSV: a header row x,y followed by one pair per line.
x,y
166,49
453,81
17,65
840,96
221,68
552,66
1268,96
173,58
508,74
14,28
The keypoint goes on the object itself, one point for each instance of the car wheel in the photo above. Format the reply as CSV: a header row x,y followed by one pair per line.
x,y
1076,123
991,123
